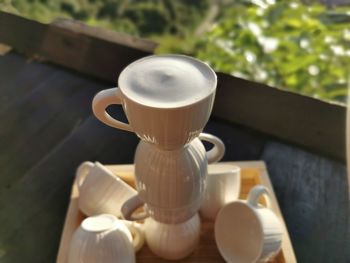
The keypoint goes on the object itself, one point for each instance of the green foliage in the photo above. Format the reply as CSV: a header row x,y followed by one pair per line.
x,y
285,44
289,45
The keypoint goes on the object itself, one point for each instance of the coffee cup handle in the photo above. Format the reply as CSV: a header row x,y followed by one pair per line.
x,y
101,101
137,233
129,208
255,193
82,172
217,152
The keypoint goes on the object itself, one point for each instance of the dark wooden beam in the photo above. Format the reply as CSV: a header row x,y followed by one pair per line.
x,y
307,122
97,52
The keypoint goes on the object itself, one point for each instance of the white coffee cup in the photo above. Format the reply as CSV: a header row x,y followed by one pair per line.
x,y
172,241
167,99
104,238
172,183
100,191
246,232
223,184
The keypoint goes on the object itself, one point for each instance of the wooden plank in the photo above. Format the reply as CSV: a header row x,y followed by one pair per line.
x,y
94,51
206,250
19,77
106,35
33,209
313,194
34,119
310,123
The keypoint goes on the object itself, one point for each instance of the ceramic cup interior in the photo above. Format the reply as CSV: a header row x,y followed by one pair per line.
x,y
238,233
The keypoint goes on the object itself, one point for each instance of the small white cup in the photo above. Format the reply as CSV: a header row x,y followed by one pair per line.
x,y
100,191
223,185
246,232
104,238
172,241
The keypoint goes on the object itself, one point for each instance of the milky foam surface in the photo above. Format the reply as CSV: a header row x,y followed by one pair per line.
x,y
167,81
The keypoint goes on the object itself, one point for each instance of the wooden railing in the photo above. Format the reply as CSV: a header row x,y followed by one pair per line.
x,y
310,123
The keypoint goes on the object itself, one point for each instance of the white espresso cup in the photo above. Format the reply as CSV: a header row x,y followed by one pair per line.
x,y
167,99
247,232
104,238
222,186
100,191
172,241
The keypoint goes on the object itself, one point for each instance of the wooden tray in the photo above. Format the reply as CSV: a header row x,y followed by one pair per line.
x,y
252,173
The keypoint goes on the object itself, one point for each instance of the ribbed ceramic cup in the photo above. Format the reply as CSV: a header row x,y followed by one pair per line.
x,y
247,232
172,241
163,119
104,238
100,191
172,183
222,186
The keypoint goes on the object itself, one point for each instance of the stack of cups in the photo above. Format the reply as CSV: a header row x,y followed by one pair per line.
x,y
167,100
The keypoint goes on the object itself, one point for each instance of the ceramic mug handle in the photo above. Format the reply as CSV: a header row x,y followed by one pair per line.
x,y
255,193
82,172
217,152
138,237
101,101
129,208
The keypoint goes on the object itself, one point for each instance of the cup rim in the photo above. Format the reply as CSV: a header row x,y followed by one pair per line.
x,y
189,104
86,224
241,203
114,176
232,168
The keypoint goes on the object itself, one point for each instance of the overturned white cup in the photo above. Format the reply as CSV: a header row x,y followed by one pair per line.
x,y
246,232
100,191
104,238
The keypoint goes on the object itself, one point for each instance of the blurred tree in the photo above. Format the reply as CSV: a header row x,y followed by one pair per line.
x,y
287,44
283,44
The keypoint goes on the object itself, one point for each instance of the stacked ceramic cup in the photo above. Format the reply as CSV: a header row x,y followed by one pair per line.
x,y
167,100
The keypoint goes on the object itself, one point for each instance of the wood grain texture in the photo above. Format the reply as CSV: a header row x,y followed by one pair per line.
x,y
37,100
312,192
94,51
310,123
252,173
